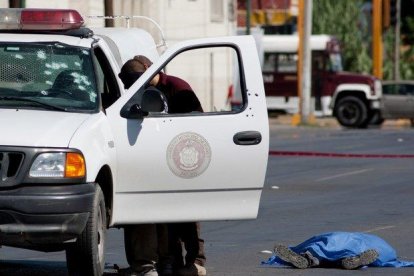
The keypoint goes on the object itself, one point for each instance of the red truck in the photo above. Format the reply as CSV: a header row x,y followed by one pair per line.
x,y
354,99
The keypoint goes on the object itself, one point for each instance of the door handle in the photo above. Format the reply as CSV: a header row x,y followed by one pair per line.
x,y
247,138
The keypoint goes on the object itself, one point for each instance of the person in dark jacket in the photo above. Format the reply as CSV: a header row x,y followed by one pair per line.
x,y
148,244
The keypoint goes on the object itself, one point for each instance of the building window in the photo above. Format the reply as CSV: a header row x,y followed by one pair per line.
x,y
216,10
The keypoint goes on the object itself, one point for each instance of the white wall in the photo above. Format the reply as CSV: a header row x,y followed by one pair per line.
x,y
179,19
184,19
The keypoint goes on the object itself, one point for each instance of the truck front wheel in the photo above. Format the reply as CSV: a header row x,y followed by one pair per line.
x,y
86,255
351,111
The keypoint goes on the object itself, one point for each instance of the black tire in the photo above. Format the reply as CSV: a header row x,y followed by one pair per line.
x,y
376,119
351,111
87,255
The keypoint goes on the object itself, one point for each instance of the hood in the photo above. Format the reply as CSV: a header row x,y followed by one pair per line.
x,y
35,128
349,77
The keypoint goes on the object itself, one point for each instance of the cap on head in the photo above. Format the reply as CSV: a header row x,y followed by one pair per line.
x,y
143,60
133,69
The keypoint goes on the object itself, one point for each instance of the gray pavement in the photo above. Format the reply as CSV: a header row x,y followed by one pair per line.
x,y
303,196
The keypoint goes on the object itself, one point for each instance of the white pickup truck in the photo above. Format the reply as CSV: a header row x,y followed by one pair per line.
x,y
79,153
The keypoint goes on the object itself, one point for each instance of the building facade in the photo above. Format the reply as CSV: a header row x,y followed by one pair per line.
x,y
180,19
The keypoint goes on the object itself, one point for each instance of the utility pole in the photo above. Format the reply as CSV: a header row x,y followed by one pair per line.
x,y
396,72
304,63
248,13
306,69
17,3
109,11
377,45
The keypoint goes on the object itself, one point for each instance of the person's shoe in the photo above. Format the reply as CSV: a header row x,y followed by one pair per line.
x,y
365,258
287,255
151,272
192,270
129,271
313,261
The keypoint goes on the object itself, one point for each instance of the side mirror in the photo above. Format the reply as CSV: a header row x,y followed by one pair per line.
x,y
151,100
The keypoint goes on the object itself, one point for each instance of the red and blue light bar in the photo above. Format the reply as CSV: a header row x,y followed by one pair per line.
x,y
40,19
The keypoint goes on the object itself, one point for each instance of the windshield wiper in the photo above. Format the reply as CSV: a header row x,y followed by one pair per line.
x,y
48,106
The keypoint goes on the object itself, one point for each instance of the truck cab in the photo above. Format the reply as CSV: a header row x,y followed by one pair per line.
x,y
79,153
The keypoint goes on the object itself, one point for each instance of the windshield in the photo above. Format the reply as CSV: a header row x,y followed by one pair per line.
x,y
50,75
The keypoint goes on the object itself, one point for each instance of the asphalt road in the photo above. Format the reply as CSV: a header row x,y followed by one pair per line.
x,y
303,196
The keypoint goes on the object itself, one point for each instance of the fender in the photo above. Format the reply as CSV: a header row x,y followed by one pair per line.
x,y
94,139
343,88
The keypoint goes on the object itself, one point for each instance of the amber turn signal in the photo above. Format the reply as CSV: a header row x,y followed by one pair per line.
x,y
75,165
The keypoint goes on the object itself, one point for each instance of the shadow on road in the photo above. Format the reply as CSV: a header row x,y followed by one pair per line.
x,y
40,268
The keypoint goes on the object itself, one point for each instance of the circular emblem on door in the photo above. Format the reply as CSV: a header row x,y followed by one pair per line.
x,y
188,155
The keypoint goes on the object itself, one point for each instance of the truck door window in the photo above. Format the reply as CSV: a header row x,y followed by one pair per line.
x,y
269,65
280,62
211,73
106,81
287,63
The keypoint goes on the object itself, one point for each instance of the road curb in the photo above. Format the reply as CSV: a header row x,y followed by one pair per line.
x,y
328,122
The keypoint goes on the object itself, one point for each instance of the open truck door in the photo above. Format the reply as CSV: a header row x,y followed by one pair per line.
x,y
194,166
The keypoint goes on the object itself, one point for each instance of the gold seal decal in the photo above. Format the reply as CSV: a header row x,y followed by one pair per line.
x,y
188,155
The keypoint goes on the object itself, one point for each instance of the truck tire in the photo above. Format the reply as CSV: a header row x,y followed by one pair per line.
x,y
87,255
351,111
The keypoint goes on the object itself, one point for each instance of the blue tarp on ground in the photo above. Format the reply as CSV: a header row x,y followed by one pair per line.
x,y
334,246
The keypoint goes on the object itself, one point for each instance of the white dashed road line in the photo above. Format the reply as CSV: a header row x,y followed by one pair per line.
x,y
342,175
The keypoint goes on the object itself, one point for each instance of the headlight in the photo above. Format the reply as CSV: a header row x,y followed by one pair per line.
x,y
58,165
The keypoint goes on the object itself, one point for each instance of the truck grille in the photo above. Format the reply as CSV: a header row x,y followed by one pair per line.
x,y
10,163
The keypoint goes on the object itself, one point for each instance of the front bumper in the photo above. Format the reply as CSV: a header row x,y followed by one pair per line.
x,y
44,217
